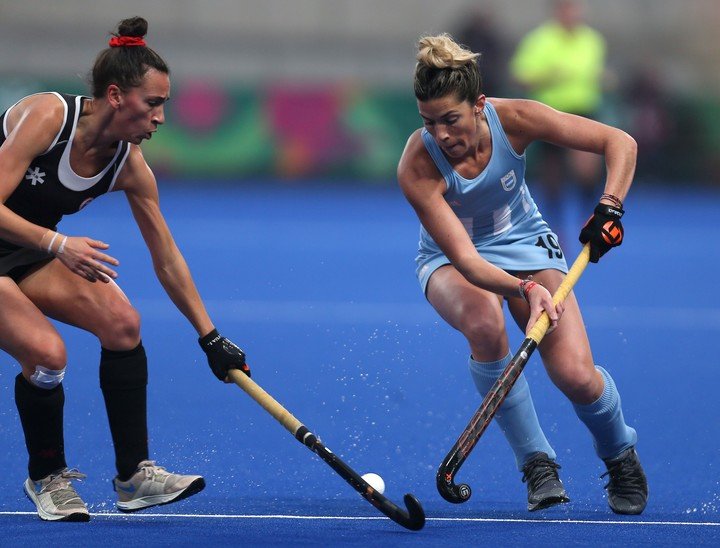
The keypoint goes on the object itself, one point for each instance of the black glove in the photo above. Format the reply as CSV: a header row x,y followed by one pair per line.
x,y
223,355
603,230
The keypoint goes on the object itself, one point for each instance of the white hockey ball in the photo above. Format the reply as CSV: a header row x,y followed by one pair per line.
x,y
375,481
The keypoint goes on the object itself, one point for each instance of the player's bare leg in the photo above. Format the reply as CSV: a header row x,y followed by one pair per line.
x,y
479,316
568,359
104,310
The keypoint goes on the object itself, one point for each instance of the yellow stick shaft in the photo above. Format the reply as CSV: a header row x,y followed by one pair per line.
x,y
537,332
270,404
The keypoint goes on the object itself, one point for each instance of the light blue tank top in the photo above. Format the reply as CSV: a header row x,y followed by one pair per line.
x,y
495,208
493,202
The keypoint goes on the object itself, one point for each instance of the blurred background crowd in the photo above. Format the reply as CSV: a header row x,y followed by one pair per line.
x,y
297,90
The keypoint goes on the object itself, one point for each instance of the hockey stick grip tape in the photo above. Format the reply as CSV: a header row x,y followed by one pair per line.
x,y
270,404
537,332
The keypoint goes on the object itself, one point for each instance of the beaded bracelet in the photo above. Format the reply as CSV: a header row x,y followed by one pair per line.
x,y
617,202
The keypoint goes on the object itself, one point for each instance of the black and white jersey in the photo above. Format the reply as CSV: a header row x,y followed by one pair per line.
x,y
50,188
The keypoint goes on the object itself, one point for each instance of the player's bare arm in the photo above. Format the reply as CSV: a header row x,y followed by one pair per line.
x,y
140,186
526,121
32,127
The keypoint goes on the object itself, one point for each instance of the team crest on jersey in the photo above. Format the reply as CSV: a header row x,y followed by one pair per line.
x,y
508,181
35,176
85,202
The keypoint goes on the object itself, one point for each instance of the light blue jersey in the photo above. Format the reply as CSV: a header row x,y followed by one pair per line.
x,y
496,209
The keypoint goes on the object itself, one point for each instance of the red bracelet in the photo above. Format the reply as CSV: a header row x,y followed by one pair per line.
x,y
525,287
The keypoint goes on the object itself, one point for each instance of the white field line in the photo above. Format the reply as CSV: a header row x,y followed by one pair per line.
x,y
140,517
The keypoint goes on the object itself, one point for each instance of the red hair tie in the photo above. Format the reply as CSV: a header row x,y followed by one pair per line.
x,y
126,41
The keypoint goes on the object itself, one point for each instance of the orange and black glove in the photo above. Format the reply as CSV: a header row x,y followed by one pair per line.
x,y
603,230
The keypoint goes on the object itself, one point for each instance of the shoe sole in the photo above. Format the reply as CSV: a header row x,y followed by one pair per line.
x,y
633,512
158,500
547,503
74,517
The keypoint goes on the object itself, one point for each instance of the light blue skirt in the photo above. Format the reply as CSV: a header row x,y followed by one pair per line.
x,y
539,251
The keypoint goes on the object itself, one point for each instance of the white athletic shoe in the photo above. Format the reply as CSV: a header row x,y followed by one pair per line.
x,y
151,485
55,497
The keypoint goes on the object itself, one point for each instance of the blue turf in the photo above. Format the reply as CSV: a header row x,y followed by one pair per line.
x,y
316,284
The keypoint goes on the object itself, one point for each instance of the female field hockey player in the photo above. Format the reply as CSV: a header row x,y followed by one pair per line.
x,y
58,152
483,241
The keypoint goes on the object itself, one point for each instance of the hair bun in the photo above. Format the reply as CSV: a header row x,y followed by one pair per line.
x,y
441,52
134,26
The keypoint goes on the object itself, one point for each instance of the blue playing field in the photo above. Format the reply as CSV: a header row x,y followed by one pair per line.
x,y
317,285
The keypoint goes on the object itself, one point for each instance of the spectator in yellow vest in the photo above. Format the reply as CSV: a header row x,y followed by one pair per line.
x,y
561,63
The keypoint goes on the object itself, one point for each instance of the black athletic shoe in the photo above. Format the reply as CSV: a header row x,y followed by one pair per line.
x,y
543,484
627,488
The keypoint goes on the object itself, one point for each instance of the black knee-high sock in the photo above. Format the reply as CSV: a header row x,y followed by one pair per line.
x,y
123,379
41,416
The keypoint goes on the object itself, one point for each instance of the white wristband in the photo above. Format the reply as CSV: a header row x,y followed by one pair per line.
x,y
52,241
62,245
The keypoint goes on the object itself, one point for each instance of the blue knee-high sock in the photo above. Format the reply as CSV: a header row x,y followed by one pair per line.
x,y
604,418
516,417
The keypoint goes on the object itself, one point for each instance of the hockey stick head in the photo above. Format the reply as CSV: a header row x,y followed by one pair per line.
x,y
413,518
416,516
449,491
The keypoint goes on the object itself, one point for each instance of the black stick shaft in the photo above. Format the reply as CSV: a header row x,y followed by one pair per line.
x,y
478,424
413,518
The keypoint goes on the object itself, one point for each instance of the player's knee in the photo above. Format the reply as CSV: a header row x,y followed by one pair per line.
x,y
128,323
484,330
122,327
584,387
50,352
47,361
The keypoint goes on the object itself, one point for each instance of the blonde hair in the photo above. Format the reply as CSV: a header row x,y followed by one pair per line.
x,y
442,51
444,67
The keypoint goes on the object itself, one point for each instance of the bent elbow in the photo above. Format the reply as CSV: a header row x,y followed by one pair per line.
x,y
630,144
